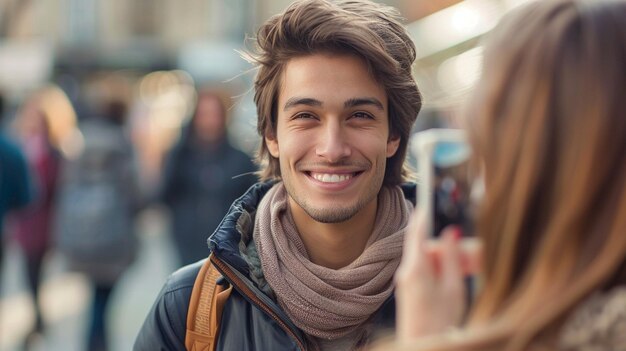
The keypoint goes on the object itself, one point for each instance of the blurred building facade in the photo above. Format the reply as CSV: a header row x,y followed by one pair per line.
x,y
69,41
160,34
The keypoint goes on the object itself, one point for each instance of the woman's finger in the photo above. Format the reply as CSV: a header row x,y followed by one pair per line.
x,y
413,236
451,270
415,262
452,277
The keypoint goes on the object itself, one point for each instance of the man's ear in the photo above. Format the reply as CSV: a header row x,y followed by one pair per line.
x,y
272,145
392,145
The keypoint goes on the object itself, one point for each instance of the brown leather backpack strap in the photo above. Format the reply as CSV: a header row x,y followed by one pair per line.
x,y
219,301
205,309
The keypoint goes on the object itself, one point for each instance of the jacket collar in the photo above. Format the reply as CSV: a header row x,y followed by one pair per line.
x,y
236,227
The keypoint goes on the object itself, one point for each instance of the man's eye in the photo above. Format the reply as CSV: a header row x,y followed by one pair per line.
x,y
303,116
362,115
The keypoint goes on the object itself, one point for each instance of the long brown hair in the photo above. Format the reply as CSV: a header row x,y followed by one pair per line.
x,y
549,130
370,31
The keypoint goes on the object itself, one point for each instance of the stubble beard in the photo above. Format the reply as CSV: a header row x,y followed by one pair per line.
x,y
338,213
330,215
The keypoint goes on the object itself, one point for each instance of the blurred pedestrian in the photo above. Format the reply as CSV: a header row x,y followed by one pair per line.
x,y
31,227
98,199
548,128
203,175
15,192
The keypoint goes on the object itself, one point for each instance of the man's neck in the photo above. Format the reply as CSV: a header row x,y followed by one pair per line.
x,y
335,245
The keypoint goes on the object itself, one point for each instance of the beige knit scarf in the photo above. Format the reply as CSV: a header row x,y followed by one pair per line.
x,y
323,302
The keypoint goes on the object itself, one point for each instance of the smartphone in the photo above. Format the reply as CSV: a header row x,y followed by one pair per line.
x,y
446,191
444,181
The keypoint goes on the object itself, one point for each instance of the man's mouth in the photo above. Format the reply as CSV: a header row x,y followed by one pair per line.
x,y
333,177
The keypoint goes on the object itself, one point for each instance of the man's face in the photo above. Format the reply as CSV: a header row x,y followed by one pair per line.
x,y
332,138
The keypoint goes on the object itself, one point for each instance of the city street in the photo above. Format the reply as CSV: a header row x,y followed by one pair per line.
x,y
66,296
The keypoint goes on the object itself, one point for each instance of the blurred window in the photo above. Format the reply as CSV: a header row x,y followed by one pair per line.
x,y
144,17
82,23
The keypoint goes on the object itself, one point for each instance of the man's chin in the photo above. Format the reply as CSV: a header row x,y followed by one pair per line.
x,y
331,215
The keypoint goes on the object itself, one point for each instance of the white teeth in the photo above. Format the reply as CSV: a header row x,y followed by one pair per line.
x,y
331,178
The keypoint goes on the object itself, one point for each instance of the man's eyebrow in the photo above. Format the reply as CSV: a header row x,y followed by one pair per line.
x,y
294,101
354,102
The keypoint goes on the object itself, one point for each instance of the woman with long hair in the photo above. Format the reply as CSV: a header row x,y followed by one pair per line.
x,y
548,130
38,127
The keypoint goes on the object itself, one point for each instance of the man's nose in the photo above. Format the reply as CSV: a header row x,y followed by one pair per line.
x,y
333,144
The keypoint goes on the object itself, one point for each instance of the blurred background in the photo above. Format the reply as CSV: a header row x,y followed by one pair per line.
x,y
142,68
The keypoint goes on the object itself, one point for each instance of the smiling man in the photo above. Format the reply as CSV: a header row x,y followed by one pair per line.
x,y
311,250
332,142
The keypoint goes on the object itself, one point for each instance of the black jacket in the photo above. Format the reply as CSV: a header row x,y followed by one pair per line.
x,y
199,185
251,320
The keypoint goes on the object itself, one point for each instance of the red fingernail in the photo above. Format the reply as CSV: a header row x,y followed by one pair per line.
x,y
458,233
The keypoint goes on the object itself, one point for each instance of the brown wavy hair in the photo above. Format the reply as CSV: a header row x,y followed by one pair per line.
x,y
549,130
362,28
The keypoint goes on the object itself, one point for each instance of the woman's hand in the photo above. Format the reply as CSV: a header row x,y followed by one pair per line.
x,y
430,290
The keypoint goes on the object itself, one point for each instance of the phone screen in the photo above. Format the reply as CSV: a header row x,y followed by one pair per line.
x,y
451,187
444,179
